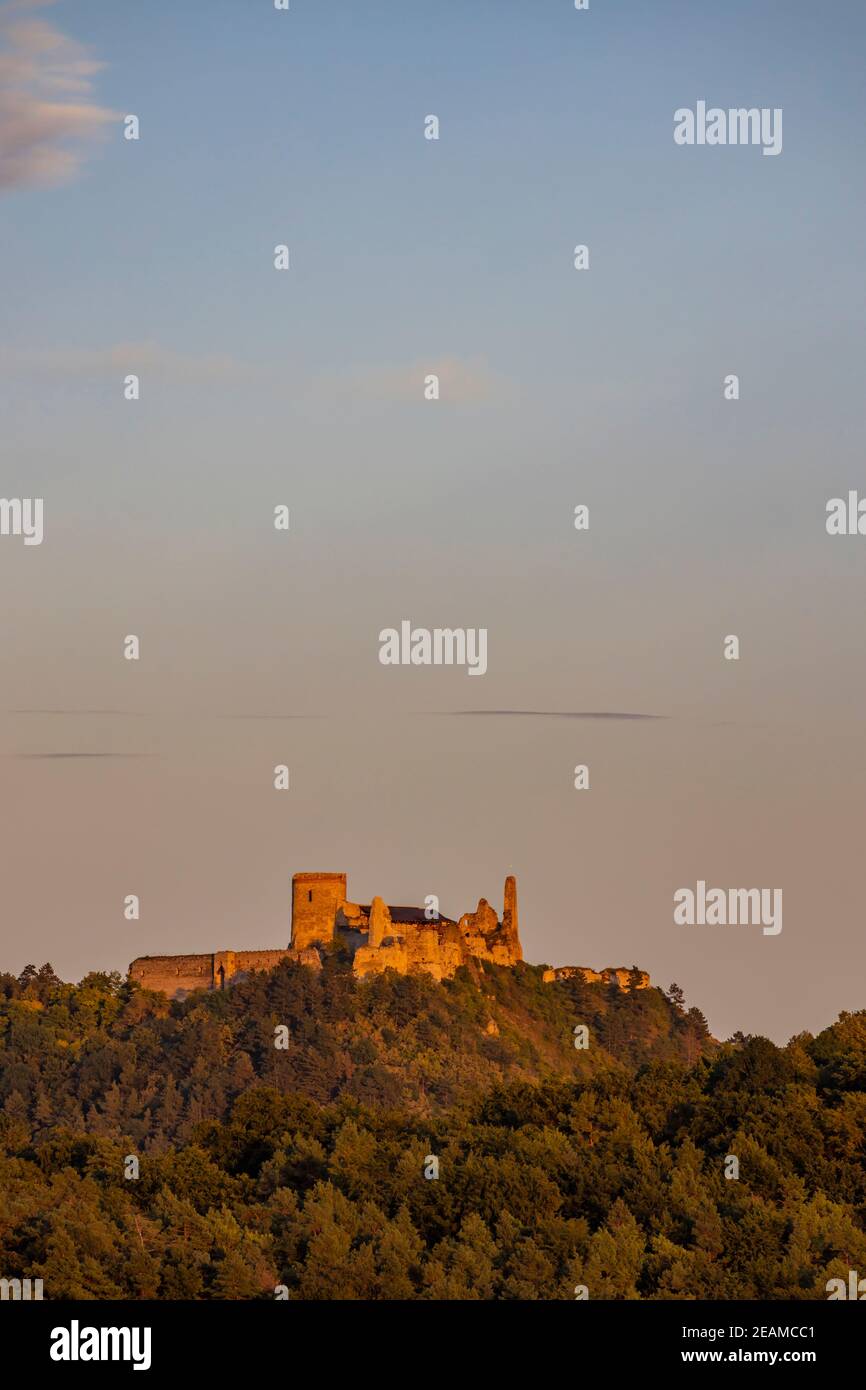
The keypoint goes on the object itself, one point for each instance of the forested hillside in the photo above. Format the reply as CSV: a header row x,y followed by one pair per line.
x,y
304,1165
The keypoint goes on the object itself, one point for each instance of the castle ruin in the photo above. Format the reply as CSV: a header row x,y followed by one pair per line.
x,y
378,937
410,940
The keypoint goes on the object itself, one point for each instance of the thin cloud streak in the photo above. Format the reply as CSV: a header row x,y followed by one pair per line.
x,y
148,714
269,716
549,714
125,713
162,363
43,756
462,381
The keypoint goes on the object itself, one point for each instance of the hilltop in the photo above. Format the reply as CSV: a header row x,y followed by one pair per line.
x,y
407,1040
155,1148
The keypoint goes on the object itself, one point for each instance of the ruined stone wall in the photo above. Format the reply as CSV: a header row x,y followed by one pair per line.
x,y
175,976
485,937
372,960
178,976
437,948
258,960
433,948
247,961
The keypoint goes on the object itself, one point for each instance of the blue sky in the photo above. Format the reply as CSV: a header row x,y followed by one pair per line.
x,y
603,387
261,127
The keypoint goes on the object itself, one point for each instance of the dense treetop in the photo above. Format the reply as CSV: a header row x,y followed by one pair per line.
x,y
304,1165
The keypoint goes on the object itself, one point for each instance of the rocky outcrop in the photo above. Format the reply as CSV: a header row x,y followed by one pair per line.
x,y
613,974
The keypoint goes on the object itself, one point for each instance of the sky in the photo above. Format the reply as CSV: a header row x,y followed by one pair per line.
x,y
558,387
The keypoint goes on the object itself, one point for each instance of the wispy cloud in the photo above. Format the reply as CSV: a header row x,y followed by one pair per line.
x,y
131,713
550,714
435,714
145,714
156,361
462,381
270,716
48,118
38,756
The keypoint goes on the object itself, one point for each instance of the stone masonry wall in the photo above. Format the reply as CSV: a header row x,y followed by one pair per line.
x,y
178,976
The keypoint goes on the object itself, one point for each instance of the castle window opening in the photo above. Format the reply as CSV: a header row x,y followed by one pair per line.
x,y
310,896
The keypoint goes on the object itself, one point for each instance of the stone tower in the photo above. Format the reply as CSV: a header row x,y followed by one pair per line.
x,y
509,910
315,900
509,916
